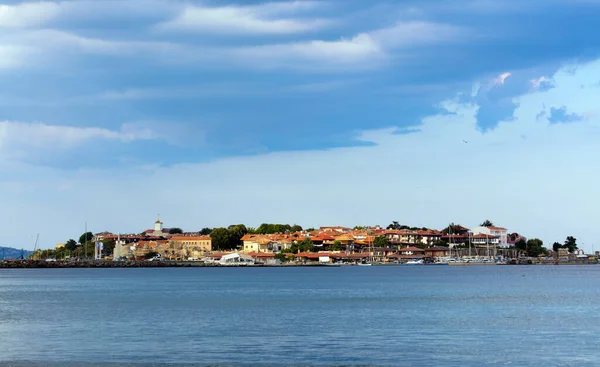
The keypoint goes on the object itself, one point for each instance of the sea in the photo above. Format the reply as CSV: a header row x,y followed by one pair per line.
x,y
301,316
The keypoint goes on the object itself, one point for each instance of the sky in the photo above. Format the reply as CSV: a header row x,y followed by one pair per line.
x,y
339,112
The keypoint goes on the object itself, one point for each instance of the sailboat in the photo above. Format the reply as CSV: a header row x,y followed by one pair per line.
x,y
370,261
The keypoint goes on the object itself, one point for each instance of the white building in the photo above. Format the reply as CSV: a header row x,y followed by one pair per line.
x,y
493,231
236,259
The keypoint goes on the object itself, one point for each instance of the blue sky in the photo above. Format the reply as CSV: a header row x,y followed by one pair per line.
x,y
311,112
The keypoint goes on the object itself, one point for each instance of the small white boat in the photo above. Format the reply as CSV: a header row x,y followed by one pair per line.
x,y
364,264
415,262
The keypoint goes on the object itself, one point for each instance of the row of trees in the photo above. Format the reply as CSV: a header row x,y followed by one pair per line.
x,y
397,226
570,244
533,247
452,228
82,249
267,228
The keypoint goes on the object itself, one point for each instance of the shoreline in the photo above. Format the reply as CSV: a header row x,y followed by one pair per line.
x,y
41,264
106,264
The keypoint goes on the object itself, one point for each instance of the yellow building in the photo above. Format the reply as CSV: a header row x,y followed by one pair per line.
x,y
190,246
60,245
257,243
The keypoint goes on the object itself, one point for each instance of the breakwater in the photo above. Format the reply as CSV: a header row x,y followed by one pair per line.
x,y
33,264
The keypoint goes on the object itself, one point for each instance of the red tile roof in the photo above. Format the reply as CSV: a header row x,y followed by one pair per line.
x,y
411,249
261,255
190,238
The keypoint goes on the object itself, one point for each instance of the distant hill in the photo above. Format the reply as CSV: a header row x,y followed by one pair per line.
x,y
12,253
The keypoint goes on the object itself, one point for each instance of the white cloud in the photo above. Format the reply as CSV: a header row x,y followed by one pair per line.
x,y
405,34
27,141
54,40
352,52
359,51
47,48
524,175
364,50
26,15
265,18
502,78
41,14
12,57
540,82
220,90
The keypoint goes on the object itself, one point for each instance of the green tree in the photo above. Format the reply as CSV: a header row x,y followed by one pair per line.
x,y
556,246
267,228
205,231
397,226
175,230
86,237
109,246
358,228
521,245
86,240
221,239
487,223
452,229
281,257
296,228
381,241
71,245
236,232
306,245
337,246
571,244
300,246
309,230
535,247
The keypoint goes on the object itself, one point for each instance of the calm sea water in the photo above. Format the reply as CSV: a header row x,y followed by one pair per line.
x,y
388,316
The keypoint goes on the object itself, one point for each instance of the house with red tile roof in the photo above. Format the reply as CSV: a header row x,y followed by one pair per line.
x,y
338,229
437,252
257,243
484,240
499,232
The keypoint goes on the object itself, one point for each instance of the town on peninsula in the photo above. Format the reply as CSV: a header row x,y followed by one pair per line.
x,y
284,244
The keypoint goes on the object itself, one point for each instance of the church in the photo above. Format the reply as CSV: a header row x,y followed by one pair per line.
x,y
158,230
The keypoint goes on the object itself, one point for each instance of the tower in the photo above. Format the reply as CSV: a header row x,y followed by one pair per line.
x,y
158,226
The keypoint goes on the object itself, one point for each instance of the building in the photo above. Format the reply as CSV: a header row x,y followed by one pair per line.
x,y
158,230
483,240
257,243
499,232
513,238
186,246
338,229
437,252
405,237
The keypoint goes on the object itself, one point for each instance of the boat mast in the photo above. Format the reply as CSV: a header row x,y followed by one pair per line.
x,y
469,244
451,238
37,238
86,241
